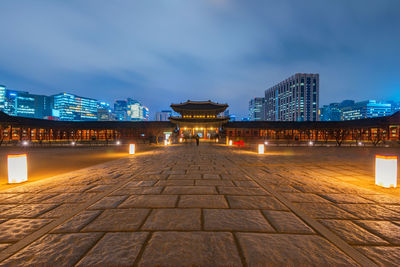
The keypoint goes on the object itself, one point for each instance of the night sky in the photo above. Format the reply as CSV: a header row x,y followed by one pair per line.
x,y
163,52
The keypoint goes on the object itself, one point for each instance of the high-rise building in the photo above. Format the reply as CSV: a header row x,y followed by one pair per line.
x,y
256,109
24,104
75,108
294,99
120,110
104,112
333,111
2,97
163,115
130,110
366,109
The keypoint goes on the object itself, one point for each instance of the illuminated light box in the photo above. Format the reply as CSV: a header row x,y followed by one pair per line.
x,y
230,142
261,149
17,168
165,142
131,149
386,171
180,140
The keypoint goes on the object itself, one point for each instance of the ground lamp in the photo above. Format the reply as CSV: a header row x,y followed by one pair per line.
x,y
216,140
131,149
165,142
17,168
386,170
260,148
180,140
230,142
118,143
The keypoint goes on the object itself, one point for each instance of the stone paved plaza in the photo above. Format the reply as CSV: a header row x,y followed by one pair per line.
x,y
205,206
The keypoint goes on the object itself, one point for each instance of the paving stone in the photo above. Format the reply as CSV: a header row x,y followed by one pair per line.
x,y
150,201
290,250
141,183
138,191
6,207
16,229
383,256
27,210
287,222
54,250
325,211
235,220
174,182
384,199
115,249
4,246
173,219
191,249
108,202
255,202
211,176
190,176
60,210
352,233
214,182
118,220
76,223
99,188
244,191
27,198
246,184
71,198
202,201
304,197
190,190
345,198
370,211
385,229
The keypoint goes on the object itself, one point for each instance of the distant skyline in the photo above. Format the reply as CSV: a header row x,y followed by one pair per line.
x,y
228,51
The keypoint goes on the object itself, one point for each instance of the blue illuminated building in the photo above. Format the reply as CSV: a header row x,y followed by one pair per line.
x,y
75,108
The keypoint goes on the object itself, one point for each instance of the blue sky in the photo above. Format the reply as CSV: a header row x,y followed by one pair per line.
x,y
162,52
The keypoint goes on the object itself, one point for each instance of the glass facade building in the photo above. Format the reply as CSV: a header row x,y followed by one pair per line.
x,y
75,108
2,97
366,109
294,99
256,109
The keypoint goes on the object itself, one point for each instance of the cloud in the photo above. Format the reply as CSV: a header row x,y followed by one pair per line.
x,y
228,50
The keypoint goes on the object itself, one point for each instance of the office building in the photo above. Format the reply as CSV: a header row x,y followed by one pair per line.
x,y
333,111
2,97
366,109
104,112
130,110
163,115
24,104
294,99
256,109
75,108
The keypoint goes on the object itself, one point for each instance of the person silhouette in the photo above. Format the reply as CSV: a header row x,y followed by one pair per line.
x,y
197,139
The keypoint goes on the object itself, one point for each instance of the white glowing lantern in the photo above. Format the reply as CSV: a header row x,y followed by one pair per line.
x,y
386,171
25,143
230,142
118,143
73,143
260,148
266,143
180,140
131,149
311,143
165,142
216,140
17,168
